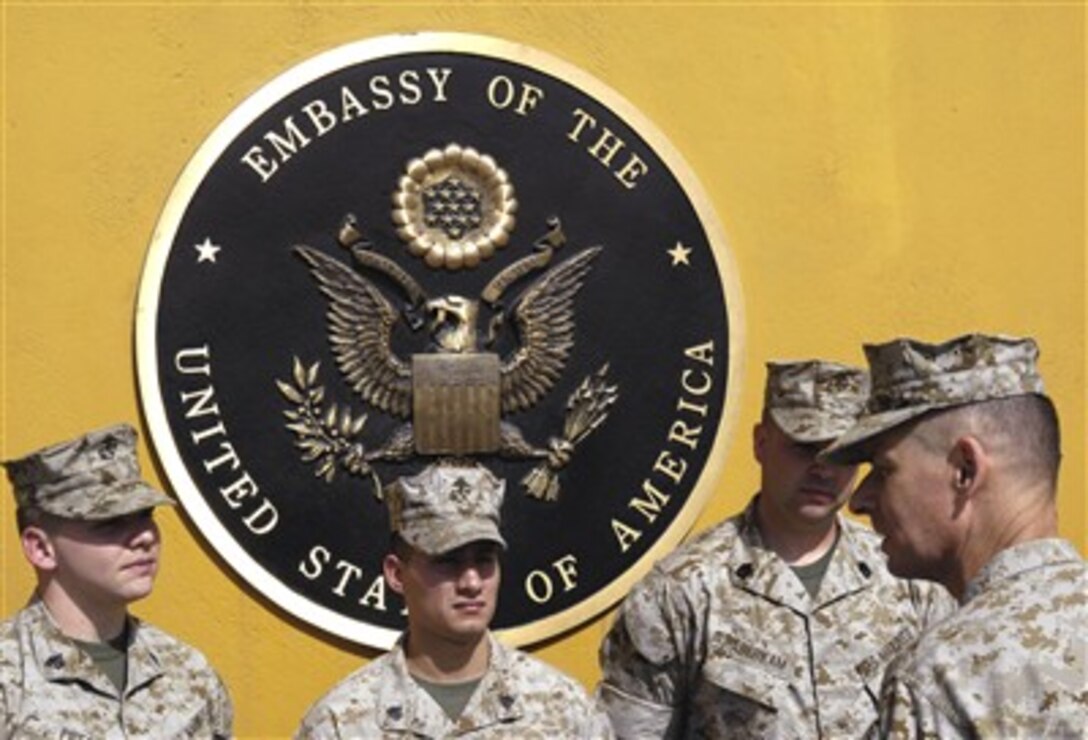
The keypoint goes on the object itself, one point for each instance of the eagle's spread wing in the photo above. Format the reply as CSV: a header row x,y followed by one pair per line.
x,y
361,322
545,319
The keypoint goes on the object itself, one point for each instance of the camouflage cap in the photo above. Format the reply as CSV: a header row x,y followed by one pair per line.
x,y
813,400
911,378
448,505
94,476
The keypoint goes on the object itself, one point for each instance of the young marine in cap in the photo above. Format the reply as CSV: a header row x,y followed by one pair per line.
x,y
447,675
779,621
73,662
965,447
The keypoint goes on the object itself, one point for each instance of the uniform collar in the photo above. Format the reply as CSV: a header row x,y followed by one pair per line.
x,y
758,569
852,567
404,706
59,658
1018,559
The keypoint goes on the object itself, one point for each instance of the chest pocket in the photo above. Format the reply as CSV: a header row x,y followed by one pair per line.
x,y
197,726
850,696
737,699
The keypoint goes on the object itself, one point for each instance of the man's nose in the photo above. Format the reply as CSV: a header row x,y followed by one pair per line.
x,y
821,469
470,577
144,533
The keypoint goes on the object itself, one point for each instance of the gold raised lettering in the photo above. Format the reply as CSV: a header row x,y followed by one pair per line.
x,y
606,147
652,507
625,535
539,585
318,117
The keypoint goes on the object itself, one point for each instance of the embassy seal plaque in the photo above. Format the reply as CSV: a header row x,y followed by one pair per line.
x,y
428,246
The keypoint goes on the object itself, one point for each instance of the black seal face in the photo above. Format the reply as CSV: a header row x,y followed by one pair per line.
x,y
426,247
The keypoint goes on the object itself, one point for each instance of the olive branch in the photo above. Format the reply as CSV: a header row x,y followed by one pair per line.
x,y
328,437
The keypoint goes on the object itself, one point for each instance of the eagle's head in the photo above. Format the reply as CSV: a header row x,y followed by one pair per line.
x,y
453,323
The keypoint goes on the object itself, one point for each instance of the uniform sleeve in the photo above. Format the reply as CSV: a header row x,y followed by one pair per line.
x,y
597,725
10,687
312,724
643,662
6,729
905,713
319,723
222,709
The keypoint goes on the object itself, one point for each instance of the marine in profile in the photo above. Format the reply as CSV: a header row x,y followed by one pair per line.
x,y
74,663
779,621
965,447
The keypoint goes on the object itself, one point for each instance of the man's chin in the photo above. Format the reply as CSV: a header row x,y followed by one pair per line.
x,y
472,625
135,591
467,634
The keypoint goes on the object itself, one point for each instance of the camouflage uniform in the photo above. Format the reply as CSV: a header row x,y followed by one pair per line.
x,y
722,640
449,505
1012,663
49,688
519,697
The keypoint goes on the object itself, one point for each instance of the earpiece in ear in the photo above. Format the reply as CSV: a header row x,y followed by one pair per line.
x,y
964,475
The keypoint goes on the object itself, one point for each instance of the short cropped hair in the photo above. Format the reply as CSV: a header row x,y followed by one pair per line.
x,y
399,547
31,516
1025,429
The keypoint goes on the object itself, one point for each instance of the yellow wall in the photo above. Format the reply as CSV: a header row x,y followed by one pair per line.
x,y
880,170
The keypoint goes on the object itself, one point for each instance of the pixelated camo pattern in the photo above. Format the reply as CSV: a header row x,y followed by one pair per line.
x,y
50,688
519,697
721,639
95,476
1012,663
971,368
448,505
911,378
814,400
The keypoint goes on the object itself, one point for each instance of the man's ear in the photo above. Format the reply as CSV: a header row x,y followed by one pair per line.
x,y
970,464
759,439
38,548
393,569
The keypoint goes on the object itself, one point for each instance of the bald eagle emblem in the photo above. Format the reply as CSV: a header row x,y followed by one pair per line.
x,y
448,369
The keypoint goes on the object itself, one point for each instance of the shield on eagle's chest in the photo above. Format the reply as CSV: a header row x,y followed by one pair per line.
x,y
455,403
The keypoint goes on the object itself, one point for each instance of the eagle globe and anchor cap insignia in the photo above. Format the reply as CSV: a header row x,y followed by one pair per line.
x,y
428,247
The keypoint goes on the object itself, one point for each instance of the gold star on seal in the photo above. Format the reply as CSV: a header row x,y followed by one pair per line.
x,y
679,254
206,251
